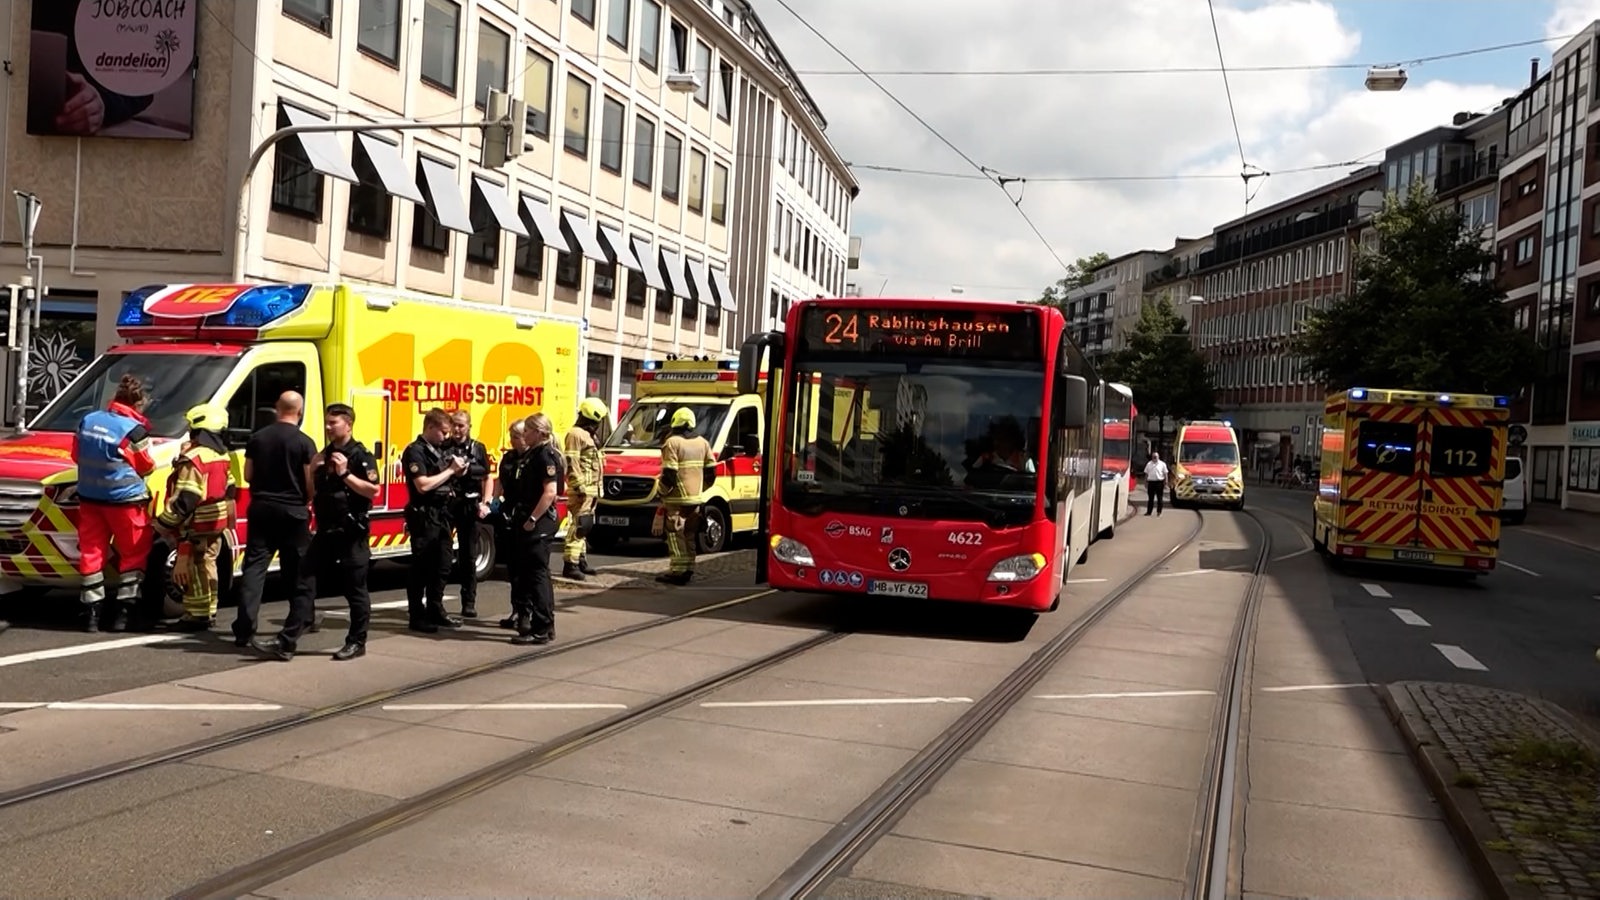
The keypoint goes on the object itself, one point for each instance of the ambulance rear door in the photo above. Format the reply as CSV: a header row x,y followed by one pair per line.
x,y
1382,483
1463,463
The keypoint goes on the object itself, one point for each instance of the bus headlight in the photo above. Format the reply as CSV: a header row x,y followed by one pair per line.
x,y
791,551
1018,568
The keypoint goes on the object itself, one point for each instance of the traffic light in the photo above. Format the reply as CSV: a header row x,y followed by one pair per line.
x,y
502,131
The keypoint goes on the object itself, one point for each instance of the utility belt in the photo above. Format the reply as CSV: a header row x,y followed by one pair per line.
x,y
343,521
433,515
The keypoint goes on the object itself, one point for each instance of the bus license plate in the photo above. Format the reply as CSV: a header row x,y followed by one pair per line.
x,y
1414,555
897,588
613,520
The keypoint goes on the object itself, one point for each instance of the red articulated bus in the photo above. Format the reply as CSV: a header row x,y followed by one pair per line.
x,y
933,449
1116,455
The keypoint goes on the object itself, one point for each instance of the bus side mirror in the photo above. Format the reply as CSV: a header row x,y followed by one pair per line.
x,y
752,354
1074,401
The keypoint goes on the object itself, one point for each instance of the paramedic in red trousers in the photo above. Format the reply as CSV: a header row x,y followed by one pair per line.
x,y
112,451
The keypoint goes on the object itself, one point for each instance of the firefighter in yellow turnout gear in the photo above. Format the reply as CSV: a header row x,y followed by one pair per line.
x,y
688,467
199,508
584,465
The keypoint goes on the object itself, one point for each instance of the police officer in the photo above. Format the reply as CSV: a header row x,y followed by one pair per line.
x,y
428,482
584,463
687,469
509,469
199,509
532,516
469,507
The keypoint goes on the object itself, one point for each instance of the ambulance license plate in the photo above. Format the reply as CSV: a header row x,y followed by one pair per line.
x,y
897,588
621,521
1414,555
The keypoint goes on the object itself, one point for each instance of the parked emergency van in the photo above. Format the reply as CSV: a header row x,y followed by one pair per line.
x,y
735,425
1206,467
1412,477
392,355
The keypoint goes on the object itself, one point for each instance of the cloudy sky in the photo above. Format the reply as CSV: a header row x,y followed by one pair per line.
x,y
924,234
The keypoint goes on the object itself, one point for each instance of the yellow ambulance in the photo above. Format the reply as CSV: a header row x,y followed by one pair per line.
x,y
392,355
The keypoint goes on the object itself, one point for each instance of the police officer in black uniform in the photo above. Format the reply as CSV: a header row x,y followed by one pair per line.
x,y
532,516
346,483
428,477
469,507
510,468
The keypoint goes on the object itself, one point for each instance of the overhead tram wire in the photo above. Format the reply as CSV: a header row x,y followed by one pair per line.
x,y
1093,179
1233,116
999,181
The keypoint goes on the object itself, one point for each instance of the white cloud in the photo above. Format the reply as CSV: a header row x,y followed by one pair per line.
x,y
925,234
1570,17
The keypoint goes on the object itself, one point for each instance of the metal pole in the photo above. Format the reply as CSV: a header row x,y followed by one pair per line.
x,y
24,335
29,209
241,243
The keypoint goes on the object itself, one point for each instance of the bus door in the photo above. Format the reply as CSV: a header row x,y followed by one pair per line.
x,y
1382,487
1463,460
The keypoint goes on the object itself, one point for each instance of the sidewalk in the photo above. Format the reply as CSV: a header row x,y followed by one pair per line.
x,y
1518,780
1580,529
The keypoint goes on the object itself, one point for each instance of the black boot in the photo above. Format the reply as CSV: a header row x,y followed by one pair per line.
x,y
119,615
584,567
91,618
524,628
570,570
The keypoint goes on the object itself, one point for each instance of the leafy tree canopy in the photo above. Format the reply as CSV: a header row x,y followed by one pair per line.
x,y
1078,274
1168,377
1422,314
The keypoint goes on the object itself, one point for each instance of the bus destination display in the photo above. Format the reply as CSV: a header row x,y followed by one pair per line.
x,y
996,334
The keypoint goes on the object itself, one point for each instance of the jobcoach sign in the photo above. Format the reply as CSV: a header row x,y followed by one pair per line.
x,y
112,68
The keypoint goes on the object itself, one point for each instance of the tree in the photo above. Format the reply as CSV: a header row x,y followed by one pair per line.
x,y
1078,274
1422,314
1169,379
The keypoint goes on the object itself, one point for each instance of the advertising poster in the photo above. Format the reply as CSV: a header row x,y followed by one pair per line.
x,y
112,68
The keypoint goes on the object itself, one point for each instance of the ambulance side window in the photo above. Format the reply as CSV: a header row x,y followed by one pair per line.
x,y
253,405
746,432
1461,452
1387,447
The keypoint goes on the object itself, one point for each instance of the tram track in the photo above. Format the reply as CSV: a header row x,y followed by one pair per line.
x,y
67,783
1214,860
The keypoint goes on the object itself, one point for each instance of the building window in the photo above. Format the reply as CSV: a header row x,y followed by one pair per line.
x,y
612,117
494,57
650,34
1583,469
679,47
1590,384
702,68
644,152
529,257
783,139
697,180
483,244
296,185
671,166
617,22
378,29
583,11
426,232
777,227
536,93
577,130
1593,306
371,208
316,13
719,193
1525,250
725,95
1528,187
441,41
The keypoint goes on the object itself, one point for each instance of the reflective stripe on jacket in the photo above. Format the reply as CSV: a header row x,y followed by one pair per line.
x,y
198,495
102,448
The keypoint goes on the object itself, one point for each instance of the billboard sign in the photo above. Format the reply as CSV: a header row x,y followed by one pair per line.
x,y
112,68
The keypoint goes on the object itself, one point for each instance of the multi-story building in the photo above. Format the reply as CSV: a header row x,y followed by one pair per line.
x,y
640,199
1264,274
1176,280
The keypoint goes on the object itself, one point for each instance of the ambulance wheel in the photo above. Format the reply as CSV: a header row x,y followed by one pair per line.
x,y
159,591
713,534
484,563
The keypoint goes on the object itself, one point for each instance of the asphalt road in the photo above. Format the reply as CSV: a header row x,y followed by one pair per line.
x,y
1531,626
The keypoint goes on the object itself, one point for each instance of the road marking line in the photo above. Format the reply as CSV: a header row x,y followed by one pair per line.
x,y
1190,572
87,705
1409,617
345,613
1294,688
1085,580
847,701
18,659
1123,695
1460,658
1305,542
484,707
1521,569
1376,590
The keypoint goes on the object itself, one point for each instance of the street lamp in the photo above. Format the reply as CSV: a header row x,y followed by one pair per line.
x,y
1385,78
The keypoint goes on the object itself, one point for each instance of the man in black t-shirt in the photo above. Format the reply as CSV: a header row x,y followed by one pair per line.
x,y
277,468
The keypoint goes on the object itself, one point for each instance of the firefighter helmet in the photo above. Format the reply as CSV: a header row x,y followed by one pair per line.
x,y
594,409
683,417
208,417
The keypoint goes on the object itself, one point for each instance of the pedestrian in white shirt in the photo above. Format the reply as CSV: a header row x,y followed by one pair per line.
x,y
1155,483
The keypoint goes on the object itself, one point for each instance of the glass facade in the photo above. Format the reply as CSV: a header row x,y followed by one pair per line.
x,y
1563,218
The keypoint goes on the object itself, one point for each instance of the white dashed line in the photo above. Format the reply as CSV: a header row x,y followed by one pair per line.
x,y
17,659
1296,688
1409,617
1085,580
1376,590
1460,658
1306,547
1123,695
1512,565
1188,573
80,706
846,701
495,707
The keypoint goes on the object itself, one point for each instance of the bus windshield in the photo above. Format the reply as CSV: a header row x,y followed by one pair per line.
x,y
957,439
175,382
645,425
1208,452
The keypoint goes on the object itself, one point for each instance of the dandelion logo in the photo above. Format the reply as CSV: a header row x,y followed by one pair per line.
x,y
167,44
52,364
